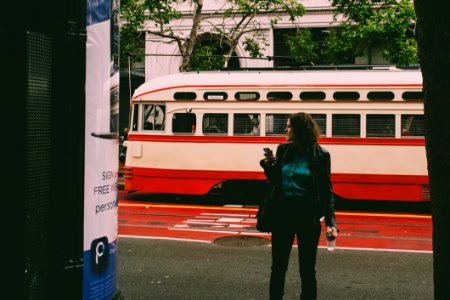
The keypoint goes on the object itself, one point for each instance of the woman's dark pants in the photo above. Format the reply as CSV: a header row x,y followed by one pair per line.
x,y
308,233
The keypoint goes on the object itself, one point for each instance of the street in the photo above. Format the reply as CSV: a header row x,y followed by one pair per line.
x,y
164,269
170,250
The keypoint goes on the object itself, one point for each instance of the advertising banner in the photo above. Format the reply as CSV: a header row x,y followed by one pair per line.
x,y
101,150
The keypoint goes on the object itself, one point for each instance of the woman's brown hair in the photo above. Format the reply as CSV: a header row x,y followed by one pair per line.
x,y
305,129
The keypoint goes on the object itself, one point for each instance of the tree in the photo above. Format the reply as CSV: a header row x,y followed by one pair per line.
x,y
243,13
373,23
130,32
238,24
433,34
302,46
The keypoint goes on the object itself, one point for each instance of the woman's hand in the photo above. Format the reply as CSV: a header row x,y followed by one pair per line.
x,y
269,159
332,231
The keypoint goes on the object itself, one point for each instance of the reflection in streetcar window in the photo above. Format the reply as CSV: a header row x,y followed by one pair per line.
x,y
135,115
215,124
321,120
153,116
312,96
380,126
414,96
246,124
247,96
380,95
346,96
279,96
276,124
183,123
185,96
413,125
346,125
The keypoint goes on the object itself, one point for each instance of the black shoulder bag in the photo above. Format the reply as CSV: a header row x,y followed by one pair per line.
x,y
265,215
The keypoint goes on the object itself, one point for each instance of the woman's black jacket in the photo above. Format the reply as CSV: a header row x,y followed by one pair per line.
x,y
319,166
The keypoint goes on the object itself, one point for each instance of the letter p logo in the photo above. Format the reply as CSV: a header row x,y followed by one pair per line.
x,y
99,255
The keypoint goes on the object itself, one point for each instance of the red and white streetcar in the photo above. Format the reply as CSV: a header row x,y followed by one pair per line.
x,y
193,133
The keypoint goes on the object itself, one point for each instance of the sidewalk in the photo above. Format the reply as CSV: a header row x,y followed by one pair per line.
x,y
165,269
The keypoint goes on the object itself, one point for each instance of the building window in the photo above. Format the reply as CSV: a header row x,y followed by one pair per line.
x,y
283,57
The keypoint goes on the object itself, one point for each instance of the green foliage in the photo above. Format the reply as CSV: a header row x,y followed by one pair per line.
x,y
205,57
132,11
252,47
243,13
303,47
161,11
384,23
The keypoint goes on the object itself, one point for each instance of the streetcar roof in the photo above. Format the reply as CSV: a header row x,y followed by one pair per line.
x,y
308,78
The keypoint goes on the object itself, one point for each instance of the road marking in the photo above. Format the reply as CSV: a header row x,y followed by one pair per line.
x,y
226,215
163,238
342,213
255,209
262,234
378,249
203,207
237,220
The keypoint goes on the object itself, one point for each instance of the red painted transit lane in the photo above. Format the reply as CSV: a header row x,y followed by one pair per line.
x,y
205,223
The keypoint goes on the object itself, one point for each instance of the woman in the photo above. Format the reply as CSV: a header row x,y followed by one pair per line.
x,y
300,174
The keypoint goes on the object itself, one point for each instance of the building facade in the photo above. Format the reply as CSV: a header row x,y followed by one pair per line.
x,y
162,57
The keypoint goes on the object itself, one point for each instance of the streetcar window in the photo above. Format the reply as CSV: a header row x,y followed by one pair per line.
x,y
321,120
279,96
215,124
380,126
153,116
346,125
413,125
183,123
184,96
215,96
276,124
346,96
380,96
312,96
412,96
135,116
246,96
246,124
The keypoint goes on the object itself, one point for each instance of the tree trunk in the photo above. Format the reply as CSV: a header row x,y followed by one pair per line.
x,y
433,36
227,56
190,42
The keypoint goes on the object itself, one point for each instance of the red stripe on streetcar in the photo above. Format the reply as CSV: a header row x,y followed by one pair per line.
x,y
272,140
349,186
